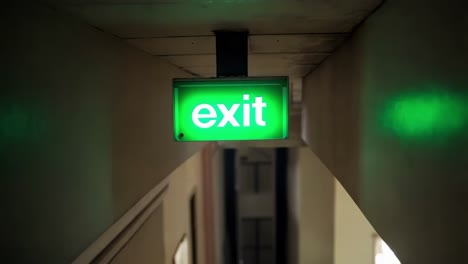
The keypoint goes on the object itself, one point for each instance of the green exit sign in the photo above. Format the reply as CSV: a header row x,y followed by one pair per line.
x,y
230,109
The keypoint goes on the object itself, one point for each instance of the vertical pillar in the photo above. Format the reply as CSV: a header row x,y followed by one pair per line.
x,y
281,175
231,61
231,53
230,207
208,204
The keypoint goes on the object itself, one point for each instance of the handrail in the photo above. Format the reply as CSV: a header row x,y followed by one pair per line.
x,y
106,247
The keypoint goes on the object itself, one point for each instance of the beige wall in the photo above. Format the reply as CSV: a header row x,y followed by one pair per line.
x,y
85,132
325,225
354,235
412,190
184,182
218,202
157,240
146,246
311,205
293,207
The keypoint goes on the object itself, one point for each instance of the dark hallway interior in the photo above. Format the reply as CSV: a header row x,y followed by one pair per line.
x,y
375,151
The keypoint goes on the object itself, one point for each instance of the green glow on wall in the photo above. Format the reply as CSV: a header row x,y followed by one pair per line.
x,y
230,109
426,114
21,124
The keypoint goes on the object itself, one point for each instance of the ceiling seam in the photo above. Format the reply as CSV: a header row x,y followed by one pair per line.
x,y
372,12
254,53
343,34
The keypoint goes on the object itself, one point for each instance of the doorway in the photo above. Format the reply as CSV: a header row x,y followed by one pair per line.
x,y
256,205
193,227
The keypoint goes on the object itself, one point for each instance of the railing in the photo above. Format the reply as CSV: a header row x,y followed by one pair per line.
x,y
114,239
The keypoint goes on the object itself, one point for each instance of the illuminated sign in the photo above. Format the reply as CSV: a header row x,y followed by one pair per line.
x,y
230,109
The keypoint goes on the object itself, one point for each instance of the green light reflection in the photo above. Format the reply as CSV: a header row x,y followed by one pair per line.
x,y
21,124
433,114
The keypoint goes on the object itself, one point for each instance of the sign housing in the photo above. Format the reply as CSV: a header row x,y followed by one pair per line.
x,y
230,109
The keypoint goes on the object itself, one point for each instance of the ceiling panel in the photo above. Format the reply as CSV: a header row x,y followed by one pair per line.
x,y
269,55
287,37
269,71
256,60
177,45
281,70
318,45
293,71
202,71
192,60
148,18
299,43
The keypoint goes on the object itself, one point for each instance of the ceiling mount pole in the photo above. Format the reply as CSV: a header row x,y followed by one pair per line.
x,y
231,53
231,61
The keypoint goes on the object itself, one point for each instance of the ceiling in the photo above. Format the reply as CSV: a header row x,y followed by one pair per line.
x,y
293,55
287,37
